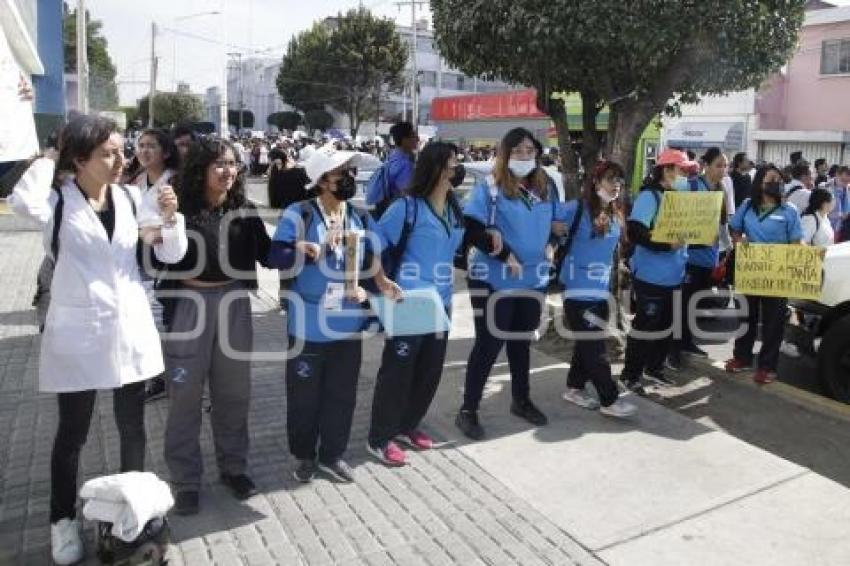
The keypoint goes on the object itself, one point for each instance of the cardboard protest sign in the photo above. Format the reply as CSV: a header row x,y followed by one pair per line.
x,y
692,217
779,270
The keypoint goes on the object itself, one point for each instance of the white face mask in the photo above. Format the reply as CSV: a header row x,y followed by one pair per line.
x,y
605,196
522,169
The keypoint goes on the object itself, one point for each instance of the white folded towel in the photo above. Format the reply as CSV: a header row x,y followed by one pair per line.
x,y
128,501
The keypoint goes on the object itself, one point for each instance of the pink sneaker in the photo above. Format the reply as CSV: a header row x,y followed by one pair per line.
x,y
391,454
417,440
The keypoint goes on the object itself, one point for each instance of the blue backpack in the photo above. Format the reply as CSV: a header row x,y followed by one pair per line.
x,y
378,190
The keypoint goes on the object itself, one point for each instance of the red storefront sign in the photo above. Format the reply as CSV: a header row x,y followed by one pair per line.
x,y
513,104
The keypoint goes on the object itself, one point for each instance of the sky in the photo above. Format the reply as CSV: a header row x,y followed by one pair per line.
x,y
199,60
245,25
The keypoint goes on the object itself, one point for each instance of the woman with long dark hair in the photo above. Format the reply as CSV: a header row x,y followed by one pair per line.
x,y
99,333
596,228
817,229
657,273
411,366
219,269
765,219
509,222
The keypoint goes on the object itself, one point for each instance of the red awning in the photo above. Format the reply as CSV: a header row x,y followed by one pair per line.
x,y
496,105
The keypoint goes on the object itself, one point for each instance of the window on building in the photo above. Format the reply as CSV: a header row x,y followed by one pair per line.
x,y
428,78
835,57
424,45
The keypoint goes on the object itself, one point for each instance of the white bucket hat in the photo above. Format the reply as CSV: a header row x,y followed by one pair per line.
x,y
327,158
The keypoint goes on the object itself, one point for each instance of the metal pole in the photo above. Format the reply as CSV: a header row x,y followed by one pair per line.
x,y
415,84
225,127
82,59
152,88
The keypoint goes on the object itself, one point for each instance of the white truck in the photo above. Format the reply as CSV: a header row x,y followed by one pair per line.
x,y
821,329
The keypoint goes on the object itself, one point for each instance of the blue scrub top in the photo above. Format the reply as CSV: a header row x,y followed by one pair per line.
x,y
586,272
312,321
428,257
525,226
709,256
666,269
779,225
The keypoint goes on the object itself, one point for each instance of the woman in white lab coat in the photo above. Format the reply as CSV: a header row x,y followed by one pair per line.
x,y
99,332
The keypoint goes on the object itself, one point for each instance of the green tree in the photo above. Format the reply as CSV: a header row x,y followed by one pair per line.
x,y
103,91
170,108
318,120
638,58
343,65
247,118
285,120
132,113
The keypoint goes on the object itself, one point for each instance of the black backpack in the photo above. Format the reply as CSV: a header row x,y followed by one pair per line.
x,y
149,548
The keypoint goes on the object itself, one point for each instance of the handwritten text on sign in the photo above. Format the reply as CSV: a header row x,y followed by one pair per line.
x,y
778,270
690,217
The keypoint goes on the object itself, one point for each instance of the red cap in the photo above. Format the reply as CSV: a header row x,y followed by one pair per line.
x,y
675,157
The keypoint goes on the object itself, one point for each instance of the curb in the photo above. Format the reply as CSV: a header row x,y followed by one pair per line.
x,y
800,397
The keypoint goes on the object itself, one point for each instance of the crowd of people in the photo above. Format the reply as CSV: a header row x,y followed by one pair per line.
x,y
171,244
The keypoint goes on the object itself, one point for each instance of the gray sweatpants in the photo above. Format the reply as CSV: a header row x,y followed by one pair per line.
x,y
190,363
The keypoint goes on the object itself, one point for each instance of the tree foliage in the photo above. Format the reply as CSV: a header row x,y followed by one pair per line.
x,y
285,120
170,108
103,91
318,120
635,56
343,64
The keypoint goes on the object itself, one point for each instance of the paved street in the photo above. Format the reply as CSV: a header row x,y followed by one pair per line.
x,y
663,489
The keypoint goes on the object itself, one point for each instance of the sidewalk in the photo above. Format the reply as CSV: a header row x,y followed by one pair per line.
x,y
662,489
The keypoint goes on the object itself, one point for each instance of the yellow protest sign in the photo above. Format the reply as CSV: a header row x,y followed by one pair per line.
x,y
779,270
688,216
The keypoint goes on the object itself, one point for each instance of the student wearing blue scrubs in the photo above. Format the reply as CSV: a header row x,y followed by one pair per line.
x,y
702,259
586,275
411,366
657,273
764,219
509,222
324,320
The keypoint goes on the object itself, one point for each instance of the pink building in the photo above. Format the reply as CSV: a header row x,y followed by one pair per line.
x,y
807,106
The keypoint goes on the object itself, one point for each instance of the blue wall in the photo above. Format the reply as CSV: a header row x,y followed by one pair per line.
x,y
50,88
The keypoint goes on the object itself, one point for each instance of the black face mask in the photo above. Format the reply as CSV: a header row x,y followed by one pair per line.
x,y
459,176
346,188
774,190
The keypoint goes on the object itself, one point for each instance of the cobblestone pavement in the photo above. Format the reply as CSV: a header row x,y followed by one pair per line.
x,y
443,509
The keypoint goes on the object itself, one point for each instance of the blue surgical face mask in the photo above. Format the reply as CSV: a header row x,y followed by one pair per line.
x,y
681,183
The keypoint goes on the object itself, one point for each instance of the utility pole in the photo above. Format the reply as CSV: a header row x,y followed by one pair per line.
x,y
82,59
241,83
414,85
154,63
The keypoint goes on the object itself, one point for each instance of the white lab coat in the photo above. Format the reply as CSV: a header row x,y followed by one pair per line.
x,y
99,332
148,214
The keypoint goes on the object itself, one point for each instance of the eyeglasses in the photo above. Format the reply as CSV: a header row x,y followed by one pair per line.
x,y
222,164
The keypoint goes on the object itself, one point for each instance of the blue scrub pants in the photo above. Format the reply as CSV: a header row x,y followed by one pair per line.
x,y
510,314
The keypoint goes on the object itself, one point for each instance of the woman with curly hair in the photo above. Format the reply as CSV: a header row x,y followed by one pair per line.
x,y
227,239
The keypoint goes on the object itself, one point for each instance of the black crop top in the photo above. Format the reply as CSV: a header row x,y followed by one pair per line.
x,y
247,242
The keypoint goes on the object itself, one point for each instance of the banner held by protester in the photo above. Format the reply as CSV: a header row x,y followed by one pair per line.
x,y
690,217
779,270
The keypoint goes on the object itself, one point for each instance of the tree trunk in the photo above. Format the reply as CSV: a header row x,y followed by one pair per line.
x,y
628,120
590,108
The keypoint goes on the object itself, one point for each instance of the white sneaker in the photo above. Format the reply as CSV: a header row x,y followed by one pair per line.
x,y
581,398
65,542
620,409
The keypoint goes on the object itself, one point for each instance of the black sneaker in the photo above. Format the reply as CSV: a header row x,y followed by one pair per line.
x,y
339,470
240,485
525,409
467,422
694,350
186,503
156,389
673,361
657,376
306,471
